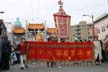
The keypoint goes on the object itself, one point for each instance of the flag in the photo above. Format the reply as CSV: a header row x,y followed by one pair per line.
x,y
34,36
39,37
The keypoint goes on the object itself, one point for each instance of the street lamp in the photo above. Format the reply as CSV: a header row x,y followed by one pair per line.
x,y
93,32
1,12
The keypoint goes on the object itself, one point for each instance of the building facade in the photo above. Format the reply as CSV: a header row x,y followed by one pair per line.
x,y
102,24
18,32
35,32
80,31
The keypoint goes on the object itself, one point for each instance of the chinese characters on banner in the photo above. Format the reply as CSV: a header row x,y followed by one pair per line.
x,y
54,51
62,23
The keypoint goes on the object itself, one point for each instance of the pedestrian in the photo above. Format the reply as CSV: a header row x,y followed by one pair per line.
x,y
13,55
6,51
97,51
0,43
50,63
17,50
106,46
23,53
0,51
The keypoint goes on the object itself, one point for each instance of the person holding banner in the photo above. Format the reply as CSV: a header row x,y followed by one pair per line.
x,y
23,54
106,47
50,63
106,43
97,51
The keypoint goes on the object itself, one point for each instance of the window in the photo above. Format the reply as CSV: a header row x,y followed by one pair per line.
x,y
78,33
98,31
89,37
107,26
78,26
103,29
78,29
79,38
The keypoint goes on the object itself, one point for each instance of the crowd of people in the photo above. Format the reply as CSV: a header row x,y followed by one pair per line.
x,y
8,52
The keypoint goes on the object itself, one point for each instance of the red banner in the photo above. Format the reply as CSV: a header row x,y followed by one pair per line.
x,y
62,23
55,51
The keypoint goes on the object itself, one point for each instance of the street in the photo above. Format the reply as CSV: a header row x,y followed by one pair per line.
x,y
41,67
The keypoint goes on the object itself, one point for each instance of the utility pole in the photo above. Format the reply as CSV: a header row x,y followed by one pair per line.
x,y
93,28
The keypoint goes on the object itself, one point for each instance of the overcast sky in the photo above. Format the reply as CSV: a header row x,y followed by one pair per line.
x,y
43,10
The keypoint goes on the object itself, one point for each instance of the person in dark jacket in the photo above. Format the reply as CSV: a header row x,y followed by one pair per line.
x,y
51,63
0,51
6,50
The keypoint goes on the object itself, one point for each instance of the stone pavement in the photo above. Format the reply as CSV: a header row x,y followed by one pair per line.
x,y
41,67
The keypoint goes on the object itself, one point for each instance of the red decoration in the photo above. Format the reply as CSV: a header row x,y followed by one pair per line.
x,y
54,51
62,23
